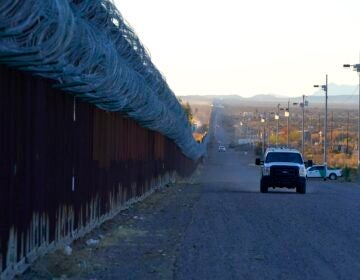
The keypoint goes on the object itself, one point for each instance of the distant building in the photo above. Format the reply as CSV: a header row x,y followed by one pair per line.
x,y
248,114
307,135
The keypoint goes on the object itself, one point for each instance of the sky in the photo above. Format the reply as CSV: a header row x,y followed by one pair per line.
x,y
249,47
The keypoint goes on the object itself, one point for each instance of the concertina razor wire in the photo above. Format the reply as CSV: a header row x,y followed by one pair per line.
x,y
92,53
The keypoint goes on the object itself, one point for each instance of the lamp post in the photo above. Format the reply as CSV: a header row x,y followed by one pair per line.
x,y
277,118
287,114
302,106
263,120
325,88
277,124
267,130
356,67
303,125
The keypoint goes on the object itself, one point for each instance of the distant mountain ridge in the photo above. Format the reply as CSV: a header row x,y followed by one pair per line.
x,y
237,99
337,94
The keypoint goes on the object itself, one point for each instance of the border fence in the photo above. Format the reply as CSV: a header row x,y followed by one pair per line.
x,y
66,166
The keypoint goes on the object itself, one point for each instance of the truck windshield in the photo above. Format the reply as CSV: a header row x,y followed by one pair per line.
x,y
284,157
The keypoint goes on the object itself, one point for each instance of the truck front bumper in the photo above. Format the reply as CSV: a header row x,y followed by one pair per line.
x,y
279,182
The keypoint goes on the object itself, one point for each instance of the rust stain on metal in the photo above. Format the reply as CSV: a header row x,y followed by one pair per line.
x,y
66,164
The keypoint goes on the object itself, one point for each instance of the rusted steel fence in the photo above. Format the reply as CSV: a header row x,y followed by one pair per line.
x,y
66,166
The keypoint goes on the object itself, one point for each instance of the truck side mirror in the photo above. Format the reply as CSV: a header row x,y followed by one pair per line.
x,y
258,161
309,163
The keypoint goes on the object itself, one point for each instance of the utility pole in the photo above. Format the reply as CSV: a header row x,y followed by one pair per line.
x,y
302,106
263,120
288,120
263,144
303,136
326,109
266,130
356,67
325,88
347,133
277,124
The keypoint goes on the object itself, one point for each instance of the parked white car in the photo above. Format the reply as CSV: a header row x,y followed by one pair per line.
x,y
222,148
318,171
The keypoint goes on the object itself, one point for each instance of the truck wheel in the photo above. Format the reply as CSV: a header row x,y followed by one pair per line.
x,y
263,188
301,188
332,176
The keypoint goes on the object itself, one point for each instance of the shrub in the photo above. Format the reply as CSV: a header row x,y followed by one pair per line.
x,y
258,149
349,173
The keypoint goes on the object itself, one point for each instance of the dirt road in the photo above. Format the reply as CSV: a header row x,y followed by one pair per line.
x,y
238,233
219,226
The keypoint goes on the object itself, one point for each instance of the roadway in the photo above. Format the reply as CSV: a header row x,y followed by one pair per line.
x,y
219,226
240,233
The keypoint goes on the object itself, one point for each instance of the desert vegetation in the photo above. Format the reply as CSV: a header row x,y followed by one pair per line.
x,y
258,124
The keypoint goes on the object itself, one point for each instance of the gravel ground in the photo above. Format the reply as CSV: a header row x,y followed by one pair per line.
x,y
219,226
239,233
139,243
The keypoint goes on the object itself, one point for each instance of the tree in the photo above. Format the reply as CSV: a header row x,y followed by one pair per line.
x,y
187,109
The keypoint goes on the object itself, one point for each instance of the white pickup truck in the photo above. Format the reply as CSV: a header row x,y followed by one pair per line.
x,y
318,171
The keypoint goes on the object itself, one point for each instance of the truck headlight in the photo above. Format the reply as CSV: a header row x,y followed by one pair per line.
x,y
266,171
302,171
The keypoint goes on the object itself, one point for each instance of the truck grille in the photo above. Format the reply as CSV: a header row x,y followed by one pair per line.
x,y
284,171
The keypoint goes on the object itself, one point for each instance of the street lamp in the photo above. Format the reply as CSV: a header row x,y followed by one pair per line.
x,y
277,124
263,120
302,106
277,118
287,115
356,67
325,88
